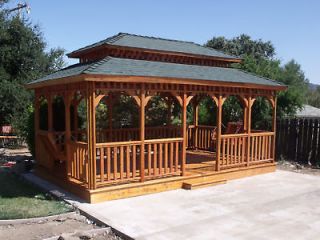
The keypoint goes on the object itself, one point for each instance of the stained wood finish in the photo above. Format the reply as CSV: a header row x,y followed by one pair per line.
x,y
79,162
97,158
202,137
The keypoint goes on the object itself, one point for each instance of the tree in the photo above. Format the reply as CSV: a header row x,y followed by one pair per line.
x,y
313,97
259,58
23,58
243,46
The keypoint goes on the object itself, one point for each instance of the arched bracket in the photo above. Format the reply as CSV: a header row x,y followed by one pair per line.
x,y
216,99
272,101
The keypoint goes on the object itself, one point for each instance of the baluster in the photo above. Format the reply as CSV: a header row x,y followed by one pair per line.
x,y
134,155
252,148
109,163
165,158
223,157
177,156
231,151
155,159
102,164
256,148
228,149
171,157
121,163
149,159
115,162
128,161
160,160
243,140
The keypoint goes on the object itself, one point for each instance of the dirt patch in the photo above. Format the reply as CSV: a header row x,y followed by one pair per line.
x,y
296,167
71,227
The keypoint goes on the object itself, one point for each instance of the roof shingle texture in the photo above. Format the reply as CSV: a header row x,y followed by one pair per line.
x,y
136,41
130,67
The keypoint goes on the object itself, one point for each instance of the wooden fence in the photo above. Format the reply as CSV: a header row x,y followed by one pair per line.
x,y
298,139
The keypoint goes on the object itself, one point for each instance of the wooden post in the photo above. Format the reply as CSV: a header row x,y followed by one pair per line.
x,y
184,132
110,111
50,116
219,123
248,123
169,114
195,122
36,122
67,104
91,135
75,118
142,130
274,128
245,118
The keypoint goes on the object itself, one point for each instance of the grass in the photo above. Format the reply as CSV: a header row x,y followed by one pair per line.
x,y
20,199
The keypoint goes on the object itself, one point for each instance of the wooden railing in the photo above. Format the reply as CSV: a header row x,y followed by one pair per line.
x,y
201,137
133,134
117,162
78,163
121,161
59,140
233,150
162,132
117,135
261,147
163,157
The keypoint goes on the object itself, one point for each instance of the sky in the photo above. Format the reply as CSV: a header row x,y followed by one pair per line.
x,y
292,26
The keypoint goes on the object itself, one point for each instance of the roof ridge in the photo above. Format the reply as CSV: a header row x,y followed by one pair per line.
x,y
175,40
112,39
159,38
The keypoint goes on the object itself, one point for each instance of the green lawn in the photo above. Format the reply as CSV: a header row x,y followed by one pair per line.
x,y
20,199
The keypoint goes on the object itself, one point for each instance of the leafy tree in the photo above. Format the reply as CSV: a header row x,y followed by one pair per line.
x,y
243,46
23,58
313,97
259,58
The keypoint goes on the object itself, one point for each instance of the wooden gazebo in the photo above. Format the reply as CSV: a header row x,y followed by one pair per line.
x,y
120,161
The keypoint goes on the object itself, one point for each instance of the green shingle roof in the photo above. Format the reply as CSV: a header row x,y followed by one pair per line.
x,y
161,44
131,67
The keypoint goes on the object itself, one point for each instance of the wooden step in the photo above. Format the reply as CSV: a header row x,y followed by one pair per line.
x,y
191,186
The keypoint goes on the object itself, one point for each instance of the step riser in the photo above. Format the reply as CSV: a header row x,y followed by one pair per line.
x,y
192,186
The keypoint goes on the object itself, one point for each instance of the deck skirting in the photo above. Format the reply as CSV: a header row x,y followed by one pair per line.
x,y
154,186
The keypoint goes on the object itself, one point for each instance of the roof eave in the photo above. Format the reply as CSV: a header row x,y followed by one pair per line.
x,y
56,81
173,80
149,79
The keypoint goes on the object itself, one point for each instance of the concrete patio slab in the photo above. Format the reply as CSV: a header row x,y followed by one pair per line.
x,y
279,205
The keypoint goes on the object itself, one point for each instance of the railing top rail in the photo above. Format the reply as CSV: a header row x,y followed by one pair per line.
x,y
115,144
164,140
234,135
206,126
79,143
262,133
